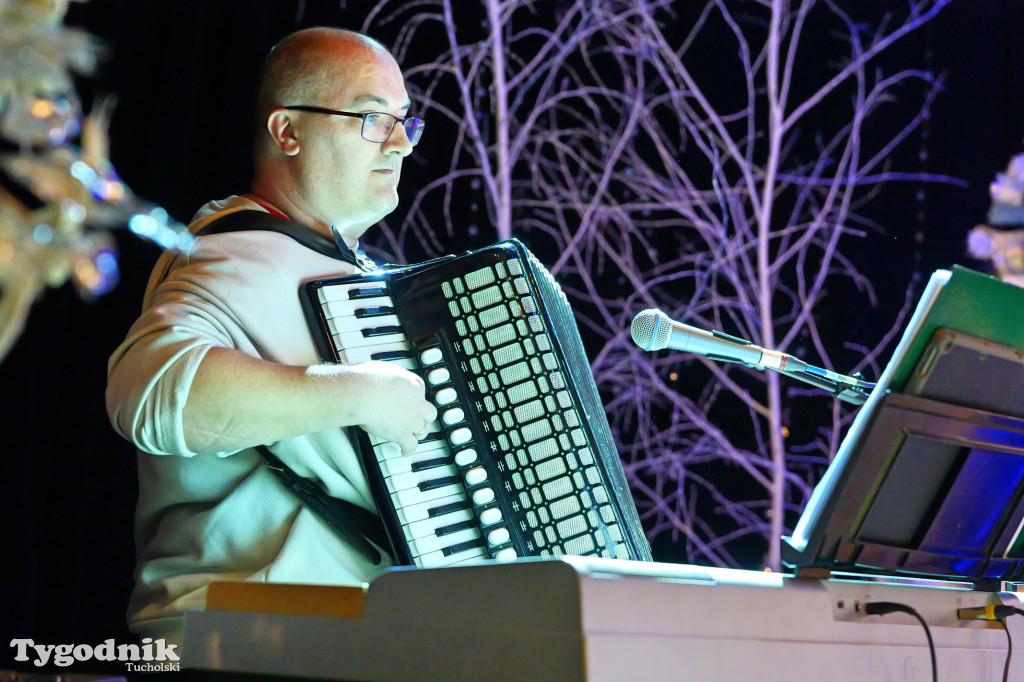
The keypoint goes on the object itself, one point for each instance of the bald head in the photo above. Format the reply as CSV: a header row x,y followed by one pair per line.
x,y
313,161
303,66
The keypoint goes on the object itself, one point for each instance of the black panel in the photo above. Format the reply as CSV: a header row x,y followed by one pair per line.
x,y
921,470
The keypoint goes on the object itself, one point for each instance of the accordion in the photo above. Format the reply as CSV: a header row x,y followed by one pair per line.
x,y
520,461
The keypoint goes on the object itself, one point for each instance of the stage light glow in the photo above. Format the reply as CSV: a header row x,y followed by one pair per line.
x,y
41,108
73,210
42,233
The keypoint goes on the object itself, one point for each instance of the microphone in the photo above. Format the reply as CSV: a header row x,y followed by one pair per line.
x,y
654,330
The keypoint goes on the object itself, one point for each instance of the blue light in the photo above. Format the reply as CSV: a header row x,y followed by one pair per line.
x,y
83,172
166,238
106,262
142,225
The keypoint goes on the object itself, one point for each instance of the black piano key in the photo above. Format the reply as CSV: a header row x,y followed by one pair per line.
x,y
374,311
430,463
455,527
449,508
392,355
432,436
439,483
463,546
366,292
382,331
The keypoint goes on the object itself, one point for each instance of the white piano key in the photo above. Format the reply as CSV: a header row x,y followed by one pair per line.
x,y
432,427
438,376
348,324
348,308
434,543
414,478
356,355
404,363
470,558
496,537
427,451
446,396
343,292
453,416
410,496
418,512
429,526
386,449
404,465
438,559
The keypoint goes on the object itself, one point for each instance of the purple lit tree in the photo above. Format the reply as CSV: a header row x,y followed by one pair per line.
x,y
706,159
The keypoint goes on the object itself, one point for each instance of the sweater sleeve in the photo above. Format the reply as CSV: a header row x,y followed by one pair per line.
x,y
150,374
236,290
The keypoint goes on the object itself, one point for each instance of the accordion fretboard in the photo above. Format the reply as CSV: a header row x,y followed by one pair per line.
x,y
521,461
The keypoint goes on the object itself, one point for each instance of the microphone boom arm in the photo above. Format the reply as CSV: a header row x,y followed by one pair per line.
x,y
850,389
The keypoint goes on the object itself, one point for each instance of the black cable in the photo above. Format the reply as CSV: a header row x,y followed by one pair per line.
x,y
1009,649
880,608
998,613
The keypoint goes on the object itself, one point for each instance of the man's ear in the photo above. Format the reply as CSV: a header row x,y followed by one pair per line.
x,y
282,132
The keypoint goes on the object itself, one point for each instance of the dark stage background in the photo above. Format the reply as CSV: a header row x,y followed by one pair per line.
x,y
185,73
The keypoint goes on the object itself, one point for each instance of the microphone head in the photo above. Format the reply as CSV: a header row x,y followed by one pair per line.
x,y
651,329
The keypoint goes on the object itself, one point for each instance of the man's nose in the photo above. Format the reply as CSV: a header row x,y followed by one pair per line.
x,y
397,142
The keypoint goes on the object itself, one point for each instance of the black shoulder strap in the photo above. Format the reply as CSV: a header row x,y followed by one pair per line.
x,y
353,523
250,219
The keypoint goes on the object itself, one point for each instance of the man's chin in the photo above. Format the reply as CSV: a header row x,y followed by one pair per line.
x,y
371,218
386,204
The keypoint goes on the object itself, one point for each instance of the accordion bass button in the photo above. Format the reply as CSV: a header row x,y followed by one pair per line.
x,y
476,476
465,457
507,554
460,436
498,537
483,496
438,376
431,356
445,396
489,517
453,416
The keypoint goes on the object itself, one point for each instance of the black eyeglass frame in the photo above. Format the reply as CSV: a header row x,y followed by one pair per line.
x,y
418,123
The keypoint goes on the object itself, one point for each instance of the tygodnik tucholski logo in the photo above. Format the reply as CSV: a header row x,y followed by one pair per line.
x,y
151,656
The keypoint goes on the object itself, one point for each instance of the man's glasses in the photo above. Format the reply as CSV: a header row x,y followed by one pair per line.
x,y
377,126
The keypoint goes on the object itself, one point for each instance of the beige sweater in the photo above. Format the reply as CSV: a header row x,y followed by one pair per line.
x,y
216,516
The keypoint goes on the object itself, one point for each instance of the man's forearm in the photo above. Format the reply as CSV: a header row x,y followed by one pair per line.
x,y
237,401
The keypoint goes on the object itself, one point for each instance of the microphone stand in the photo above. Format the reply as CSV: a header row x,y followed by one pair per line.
x,y
849,389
